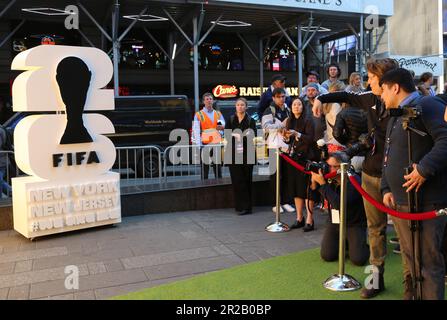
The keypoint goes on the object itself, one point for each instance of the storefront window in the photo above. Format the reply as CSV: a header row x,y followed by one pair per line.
x,y
281,58
220,52
137,54
138,51
342,46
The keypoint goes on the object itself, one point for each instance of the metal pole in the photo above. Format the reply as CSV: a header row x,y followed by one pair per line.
x,y
300,59
115,24
261,65
343,204
196,64
12,33
171,63
96,22
278,186
324,59
278,226
11,3
415,226
361,45
342,282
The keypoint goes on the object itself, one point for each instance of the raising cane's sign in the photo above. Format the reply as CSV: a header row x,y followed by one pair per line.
x,y
225,91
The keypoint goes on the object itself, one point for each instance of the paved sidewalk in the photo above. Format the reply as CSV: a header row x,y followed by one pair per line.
x,y
142,252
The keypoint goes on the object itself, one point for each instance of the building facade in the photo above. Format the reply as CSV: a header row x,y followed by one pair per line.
x,y
155,55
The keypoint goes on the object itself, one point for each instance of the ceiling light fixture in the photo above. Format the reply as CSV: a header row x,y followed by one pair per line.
x,y
231,23
314,28
146,18
48,11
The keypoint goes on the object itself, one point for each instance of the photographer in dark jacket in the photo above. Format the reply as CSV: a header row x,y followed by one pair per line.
x,y
350,123
372,166
355,217
428,178
300,136
243,129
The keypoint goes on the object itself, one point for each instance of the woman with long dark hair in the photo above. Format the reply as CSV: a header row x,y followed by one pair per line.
x,y
300,137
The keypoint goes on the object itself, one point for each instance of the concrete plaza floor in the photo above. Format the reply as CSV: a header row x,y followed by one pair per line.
x,y
142,252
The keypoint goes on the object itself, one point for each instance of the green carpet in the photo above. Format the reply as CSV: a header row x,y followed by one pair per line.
x,y
297,276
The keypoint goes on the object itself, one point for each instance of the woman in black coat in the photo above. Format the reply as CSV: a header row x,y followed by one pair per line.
x,y
243,156
300,136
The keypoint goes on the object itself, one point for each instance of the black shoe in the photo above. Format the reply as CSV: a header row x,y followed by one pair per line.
x,y
396,249
370,293
394,240
373,292
297,224
243,213
309,227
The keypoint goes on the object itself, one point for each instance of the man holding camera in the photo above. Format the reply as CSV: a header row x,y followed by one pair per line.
x,y
372,166
426,180
355,218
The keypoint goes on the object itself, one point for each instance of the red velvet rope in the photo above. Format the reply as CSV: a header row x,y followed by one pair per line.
x,y
397,214
302,169
378,205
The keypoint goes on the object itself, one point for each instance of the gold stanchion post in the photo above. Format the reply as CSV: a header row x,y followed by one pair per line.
x,y
342,282
278,226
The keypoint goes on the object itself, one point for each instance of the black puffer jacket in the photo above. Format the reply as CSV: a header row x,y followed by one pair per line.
x,y
351,122
377,124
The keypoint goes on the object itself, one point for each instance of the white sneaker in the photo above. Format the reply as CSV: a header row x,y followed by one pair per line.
x,y
280,209
288,208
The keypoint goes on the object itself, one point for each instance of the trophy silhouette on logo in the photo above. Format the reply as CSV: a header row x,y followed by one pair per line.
x,y
73,78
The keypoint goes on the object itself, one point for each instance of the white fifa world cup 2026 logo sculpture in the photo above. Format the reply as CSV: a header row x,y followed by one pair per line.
x,y
64,153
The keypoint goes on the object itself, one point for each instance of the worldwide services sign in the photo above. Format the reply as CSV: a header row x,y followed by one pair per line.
x,y
66,156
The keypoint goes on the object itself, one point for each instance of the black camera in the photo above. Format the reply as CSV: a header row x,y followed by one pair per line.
x,y
407,112
312,166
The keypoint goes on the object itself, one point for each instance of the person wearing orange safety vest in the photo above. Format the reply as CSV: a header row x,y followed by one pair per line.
x,y
207,127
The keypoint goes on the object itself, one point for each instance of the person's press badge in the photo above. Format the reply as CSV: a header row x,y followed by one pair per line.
x,y
335,216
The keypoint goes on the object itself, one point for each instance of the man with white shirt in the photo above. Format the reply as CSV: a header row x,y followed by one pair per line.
x,y
207,126
274,122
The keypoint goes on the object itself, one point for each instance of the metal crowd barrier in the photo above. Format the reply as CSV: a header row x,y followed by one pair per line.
x,y
176,163
185,162
139,162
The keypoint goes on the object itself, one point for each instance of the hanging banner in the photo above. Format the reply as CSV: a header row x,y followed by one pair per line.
x,y
382,7
66,156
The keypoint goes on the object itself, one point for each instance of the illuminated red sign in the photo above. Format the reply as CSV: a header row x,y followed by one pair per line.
x,y
225,91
